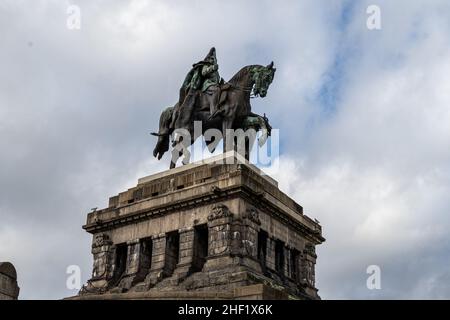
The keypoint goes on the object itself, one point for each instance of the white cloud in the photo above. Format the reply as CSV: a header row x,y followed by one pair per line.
x,y
376,171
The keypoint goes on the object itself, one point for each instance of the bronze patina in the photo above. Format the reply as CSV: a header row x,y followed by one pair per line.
x,y
217,104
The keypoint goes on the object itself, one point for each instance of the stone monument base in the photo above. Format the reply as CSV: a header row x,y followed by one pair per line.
x,y
216,229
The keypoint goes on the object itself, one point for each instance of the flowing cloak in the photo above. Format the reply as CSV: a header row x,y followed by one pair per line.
x,y
202,75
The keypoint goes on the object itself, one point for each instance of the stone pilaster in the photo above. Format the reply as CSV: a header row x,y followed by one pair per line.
x,y
219,236
184,265
250,229
309,263
219,226
287,262
133,257
250,233
103,266
308,274
298,261
101,250
270,254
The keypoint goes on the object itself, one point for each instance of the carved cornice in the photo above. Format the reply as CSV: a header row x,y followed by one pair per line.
x,y
256,198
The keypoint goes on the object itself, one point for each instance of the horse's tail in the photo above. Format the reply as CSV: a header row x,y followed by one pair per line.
x,y
162,145
157,134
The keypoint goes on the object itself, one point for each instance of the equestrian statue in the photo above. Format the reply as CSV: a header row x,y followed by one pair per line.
x,y
216,104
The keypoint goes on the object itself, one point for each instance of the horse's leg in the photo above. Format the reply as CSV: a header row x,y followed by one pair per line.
x,y
186,154
228,142
265,131
249,145
176,152
175,156
194,136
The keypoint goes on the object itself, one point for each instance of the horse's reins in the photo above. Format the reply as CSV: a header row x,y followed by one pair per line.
x,y
244,89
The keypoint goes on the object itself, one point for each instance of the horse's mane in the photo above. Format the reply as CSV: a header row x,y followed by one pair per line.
x,y
238,76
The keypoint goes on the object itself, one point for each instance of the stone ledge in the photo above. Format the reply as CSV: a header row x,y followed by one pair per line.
x,y
230,157
251,292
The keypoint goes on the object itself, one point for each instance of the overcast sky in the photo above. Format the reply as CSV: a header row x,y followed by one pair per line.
x,y
364,119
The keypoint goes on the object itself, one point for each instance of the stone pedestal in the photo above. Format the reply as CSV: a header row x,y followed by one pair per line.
x,y
219,228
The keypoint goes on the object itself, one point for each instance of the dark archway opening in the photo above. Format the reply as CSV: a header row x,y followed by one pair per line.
x,y
172,251
121,261
262,248
294,268
145,261
279,257
200,247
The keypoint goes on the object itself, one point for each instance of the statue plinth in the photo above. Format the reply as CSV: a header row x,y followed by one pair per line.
x,y
216,229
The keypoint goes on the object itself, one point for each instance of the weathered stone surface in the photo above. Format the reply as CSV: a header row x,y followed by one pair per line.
x,y
210,228
9,290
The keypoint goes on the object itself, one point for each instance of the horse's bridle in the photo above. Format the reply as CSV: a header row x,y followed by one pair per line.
x,y
244,89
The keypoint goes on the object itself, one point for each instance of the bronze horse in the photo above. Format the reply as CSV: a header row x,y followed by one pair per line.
x,y
233,112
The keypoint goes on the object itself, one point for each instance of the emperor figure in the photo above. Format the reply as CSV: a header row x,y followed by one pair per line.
x,y
202,78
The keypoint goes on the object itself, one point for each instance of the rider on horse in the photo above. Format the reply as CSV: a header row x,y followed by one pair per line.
x,y
202,78
228,105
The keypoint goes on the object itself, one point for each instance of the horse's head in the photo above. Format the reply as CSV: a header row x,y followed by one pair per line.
x,y
262,77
